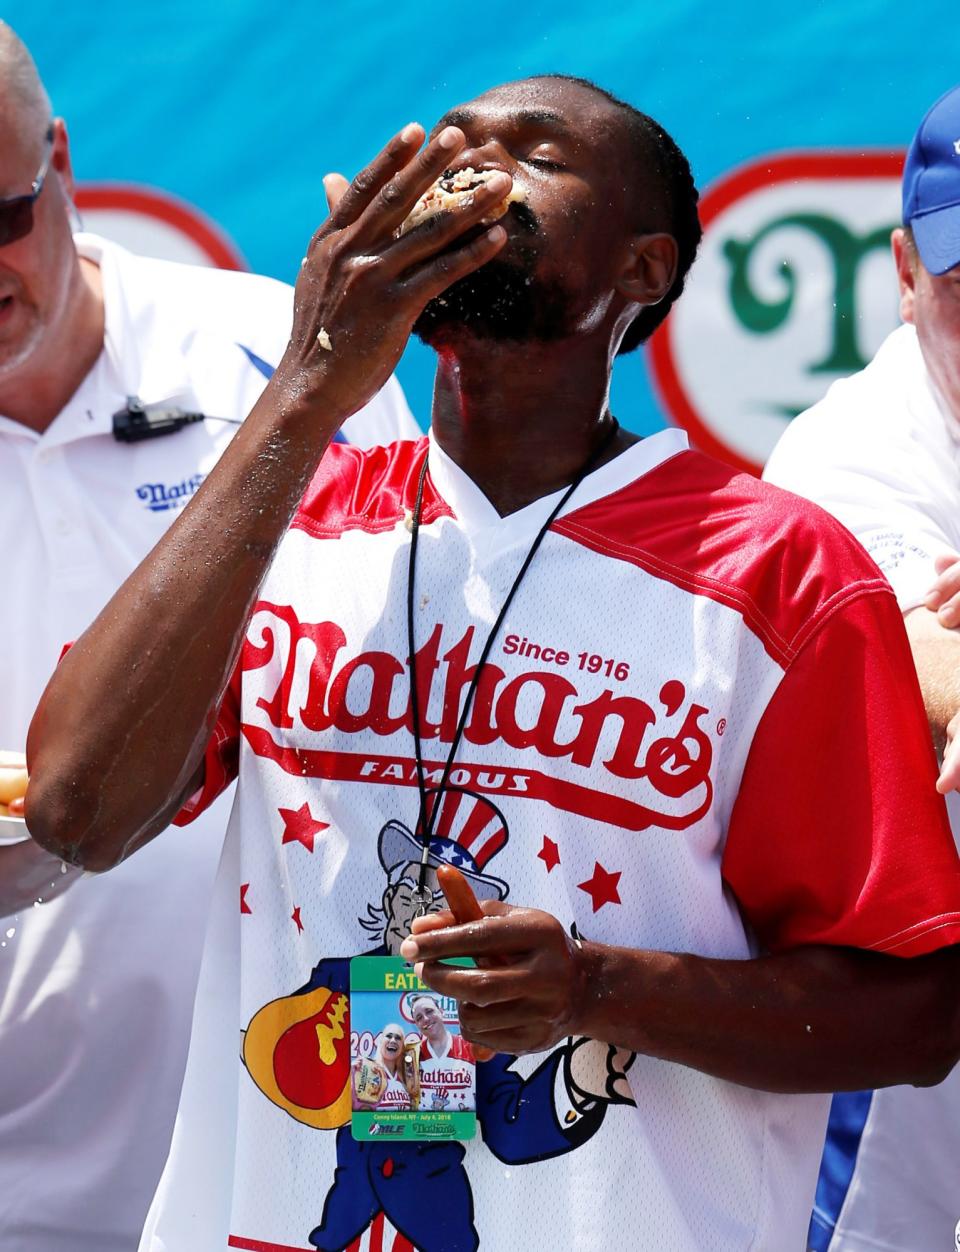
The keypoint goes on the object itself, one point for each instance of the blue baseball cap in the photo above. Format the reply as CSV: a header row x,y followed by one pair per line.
x,y
931,185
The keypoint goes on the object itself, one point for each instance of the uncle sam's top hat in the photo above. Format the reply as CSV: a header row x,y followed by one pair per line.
x,y
468,832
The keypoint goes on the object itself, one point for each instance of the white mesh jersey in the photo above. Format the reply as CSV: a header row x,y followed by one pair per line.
x,y
680,742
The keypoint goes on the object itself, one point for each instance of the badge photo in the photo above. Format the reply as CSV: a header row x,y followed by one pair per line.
x,y
412,1074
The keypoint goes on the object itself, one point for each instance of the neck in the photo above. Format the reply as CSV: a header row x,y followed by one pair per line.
x,y
522,419
37,391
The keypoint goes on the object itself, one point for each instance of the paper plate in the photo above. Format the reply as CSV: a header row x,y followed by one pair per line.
x,y
13,830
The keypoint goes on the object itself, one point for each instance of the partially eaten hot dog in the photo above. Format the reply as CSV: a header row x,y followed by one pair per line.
x,y
451,189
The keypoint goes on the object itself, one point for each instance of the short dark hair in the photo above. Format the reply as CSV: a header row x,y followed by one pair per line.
x,y
423,995
654,150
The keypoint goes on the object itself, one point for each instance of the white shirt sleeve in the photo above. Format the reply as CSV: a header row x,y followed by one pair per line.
x,y
896,492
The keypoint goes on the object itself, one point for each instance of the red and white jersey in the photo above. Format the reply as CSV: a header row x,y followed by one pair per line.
x,y
681,742
447,1078
395,1097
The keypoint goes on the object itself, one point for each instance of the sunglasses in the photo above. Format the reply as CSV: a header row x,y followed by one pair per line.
x,y
16,212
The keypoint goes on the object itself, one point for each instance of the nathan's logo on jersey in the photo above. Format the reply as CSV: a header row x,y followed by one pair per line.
x,y
313,685
445,1077
159,497
793,288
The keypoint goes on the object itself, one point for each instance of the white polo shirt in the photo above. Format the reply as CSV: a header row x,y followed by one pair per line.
x,y
881,451
96,987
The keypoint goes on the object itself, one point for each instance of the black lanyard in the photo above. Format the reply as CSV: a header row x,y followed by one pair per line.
x,y
428,812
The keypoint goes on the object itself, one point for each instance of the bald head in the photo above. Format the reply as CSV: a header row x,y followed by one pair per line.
x,y
23,97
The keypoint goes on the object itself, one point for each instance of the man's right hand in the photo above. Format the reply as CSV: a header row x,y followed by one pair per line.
x,y
943,598
361,288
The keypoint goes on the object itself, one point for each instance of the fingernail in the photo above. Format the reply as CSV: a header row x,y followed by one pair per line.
x,y
418,970
930,599
945,617
449,137
409,132
409,950
499,182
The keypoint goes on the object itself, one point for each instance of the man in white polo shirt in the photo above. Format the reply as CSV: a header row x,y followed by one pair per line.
x,y
96,987
881,452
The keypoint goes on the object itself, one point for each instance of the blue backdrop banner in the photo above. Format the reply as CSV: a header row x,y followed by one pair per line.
x,y
795,127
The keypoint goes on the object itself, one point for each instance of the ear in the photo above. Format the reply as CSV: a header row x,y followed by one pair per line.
x,y
650,268
906,260
60,159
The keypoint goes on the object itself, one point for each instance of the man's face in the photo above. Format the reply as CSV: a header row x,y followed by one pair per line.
x,y
428,1019
566,149
932,303
35,271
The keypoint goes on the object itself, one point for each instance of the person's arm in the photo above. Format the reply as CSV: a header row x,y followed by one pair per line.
x,y
116,744
812,1019
934,633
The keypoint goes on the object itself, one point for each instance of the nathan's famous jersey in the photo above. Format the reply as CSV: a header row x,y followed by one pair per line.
x,y
447,1078
699,731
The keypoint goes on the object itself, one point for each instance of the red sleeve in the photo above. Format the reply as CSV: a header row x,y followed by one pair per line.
x,y
462,1049
220,761
838,835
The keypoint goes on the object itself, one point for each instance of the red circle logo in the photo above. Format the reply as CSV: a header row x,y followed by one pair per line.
x,y
154,223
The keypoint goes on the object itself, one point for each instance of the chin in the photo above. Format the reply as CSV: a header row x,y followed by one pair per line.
x,y
503,301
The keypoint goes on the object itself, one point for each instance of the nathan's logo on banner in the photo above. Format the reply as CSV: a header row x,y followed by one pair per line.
x,y
793,288
154,223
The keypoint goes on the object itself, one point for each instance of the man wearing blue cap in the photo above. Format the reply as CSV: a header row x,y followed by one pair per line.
x,y
881,451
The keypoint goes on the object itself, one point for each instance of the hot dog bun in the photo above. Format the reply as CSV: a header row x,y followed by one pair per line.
x,y
13,776
450,190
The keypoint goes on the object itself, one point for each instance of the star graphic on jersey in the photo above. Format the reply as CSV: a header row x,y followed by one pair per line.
x,y
602,887
244,906
300,826
295,917
550,854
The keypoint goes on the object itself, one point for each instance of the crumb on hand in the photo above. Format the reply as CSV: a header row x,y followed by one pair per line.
x,y
323,339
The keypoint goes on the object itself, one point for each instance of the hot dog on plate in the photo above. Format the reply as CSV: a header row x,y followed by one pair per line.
x,y
13,783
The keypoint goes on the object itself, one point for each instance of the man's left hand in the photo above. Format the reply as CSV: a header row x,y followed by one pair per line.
x,y
529,982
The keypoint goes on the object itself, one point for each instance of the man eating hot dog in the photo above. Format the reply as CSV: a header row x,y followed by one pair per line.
x,y
706,855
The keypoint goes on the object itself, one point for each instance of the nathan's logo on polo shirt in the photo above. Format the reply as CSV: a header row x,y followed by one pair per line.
x,y
793,288
159,497
656,742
